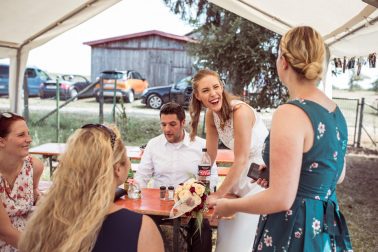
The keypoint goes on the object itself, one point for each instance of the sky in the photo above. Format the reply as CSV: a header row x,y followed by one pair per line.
x,y
67,54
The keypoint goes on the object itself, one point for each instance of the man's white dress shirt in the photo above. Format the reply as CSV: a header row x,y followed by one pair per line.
x,y
170,164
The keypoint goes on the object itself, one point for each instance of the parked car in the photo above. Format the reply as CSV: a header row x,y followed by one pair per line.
x,y
129,85
35,77
181,92
70,86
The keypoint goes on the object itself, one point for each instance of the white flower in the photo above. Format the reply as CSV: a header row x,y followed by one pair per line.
x,y
297,234
200,189
260,246
268,241
321,128
316,225
337,134
190,182
335,155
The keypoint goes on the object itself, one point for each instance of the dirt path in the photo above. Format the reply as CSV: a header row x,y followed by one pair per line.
x,y
359,201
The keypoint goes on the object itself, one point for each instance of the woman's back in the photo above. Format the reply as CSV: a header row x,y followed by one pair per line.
x,y
314,222
119,232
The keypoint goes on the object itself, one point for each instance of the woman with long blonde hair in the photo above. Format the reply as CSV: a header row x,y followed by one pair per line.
x,y
78,213
242,130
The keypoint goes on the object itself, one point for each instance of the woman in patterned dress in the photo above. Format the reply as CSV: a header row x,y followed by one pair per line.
x,y
19,177
305,153
242,130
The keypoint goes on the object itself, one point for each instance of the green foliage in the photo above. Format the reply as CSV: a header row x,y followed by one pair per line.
x,y
238,49
121,118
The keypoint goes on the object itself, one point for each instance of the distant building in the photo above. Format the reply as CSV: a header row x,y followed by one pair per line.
x,y
159,57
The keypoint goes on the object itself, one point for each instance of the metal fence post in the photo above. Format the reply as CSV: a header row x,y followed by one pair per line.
x,y
57,98
114,100
101,100
26,97
355,123
360,122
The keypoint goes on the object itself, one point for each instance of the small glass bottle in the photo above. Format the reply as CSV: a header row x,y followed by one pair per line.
x,y
171,192
163,191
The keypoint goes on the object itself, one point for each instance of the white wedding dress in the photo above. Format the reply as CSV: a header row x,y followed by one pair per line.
x,y
238,234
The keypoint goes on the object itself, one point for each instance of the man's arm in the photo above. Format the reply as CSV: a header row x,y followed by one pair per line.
x,y
146,167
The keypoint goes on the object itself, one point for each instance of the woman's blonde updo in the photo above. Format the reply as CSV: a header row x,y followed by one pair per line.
x,y
303,48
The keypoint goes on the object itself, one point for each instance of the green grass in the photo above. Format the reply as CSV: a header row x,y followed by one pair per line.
x,y
135,130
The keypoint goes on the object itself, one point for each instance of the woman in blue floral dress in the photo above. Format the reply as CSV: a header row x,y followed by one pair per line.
x,y
305,153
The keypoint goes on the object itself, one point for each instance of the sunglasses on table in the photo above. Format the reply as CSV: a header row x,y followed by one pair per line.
x,y
102,127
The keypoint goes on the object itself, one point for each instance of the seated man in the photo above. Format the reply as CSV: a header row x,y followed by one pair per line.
x,y
170,159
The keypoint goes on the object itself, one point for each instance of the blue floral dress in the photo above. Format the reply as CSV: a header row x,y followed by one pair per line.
x,y
314,222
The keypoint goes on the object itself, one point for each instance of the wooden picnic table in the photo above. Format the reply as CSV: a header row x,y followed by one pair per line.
x,y
151,204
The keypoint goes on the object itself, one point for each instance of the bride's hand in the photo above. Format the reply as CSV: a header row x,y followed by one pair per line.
x,y
222,209
211,200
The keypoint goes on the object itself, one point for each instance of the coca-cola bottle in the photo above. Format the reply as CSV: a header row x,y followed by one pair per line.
x,y
204,168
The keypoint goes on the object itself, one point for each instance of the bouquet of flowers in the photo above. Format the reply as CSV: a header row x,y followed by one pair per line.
x,y
190,200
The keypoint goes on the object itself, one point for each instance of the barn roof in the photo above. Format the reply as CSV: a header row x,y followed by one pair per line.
x,y
140,35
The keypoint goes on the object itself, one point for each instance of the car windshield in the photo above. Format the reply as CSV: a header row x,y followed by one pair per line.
x,y
4,71
112,75
184,83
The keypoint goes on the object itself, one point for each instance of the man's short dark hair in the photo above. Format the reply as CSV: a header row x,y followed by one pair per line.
x,y
173,108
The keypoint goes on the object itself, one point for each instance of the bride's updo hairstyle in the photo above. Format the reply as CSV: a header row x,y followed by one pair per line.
x,y
304,50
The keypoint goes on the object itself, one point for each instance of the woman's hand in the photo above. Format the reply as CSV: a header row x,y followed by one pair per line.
x,y
211,200
222,209
261,182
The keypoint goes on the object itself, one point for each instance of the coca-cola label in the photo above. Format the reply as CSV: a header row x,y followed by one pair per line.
x,y
204,170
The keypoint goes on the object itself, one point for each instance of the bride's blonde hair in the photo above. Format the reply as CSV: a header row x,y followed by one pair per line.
x,y
69,217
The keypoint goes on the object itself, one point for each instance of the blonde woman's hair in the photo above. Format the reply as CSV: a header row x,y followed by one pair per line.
x,y
195,106
70,216
303,47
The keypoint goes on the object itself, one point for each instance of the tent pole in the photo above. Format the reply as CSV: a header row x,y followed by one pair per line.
x,y
327,86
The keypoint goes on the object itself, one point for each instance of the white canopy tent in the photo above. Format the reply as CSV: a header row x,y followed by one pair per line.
x,y
27,24
349,27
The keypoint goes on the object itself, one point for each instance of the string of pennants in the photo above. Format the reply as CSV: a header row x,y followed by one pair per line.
x,y
353,62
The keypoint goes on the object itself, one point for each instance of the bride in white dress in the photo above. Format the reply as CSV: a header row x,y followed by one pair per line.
x,y
241,129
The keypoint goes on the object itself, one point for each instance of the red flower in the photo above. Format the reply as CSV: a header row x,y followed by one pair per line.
x,y
21,188
192,189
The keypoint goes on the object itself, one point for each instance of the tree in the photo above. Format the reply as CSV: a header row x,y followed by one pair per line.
x,y
238,49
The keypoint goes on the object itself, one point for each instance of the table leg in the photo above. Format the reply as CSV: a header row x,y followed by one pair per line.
x,y
176,233
51,166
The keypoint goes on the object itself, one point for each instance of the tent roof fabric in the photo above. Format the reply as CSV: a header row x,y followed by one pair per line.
x,y
349,28
29,24
140,35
